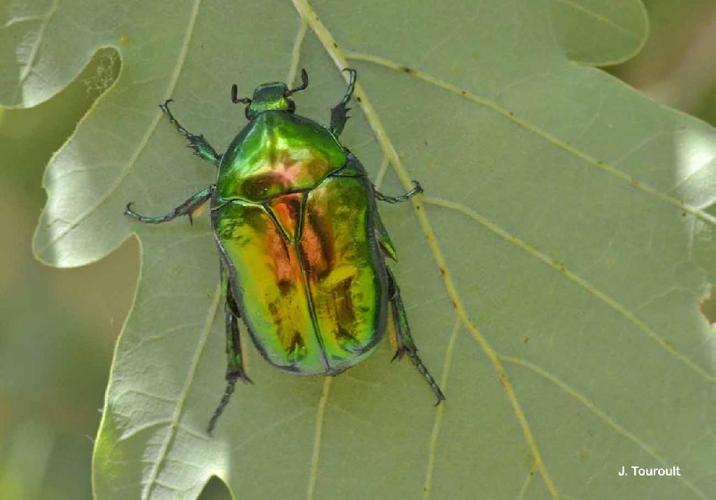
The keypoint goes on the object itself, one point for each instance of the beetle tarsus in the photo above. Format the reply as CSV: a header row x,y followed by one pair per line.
x,y
351,83
418,363
339,113
230,386
399,353
405,339
201,146
165,108
304,83
237,374
235,365
416,189
141,218
186,208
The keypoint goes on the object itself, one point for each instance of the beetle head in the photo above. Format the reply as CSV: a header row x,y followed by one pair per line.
x,y
274,95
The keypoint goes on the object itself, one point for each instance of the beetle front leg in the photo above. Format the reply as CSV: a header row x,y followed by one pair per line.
x,y
406,345
196,142
235,364
339,112
187,208
417,189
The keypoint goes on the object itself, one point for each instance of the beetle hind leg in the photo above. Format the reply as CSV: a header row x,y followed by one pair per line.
x,y
339,112
404,339
201,146
235,364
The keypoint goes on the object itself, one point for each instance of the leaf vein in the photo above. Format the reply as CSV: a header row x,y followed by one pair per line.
x,y
599,17
435,434
525,486
179,408
136,430
320,417
142,392
707,164
145,139
575,278
602,415
380,176
483,101
268,429
296,53
35,47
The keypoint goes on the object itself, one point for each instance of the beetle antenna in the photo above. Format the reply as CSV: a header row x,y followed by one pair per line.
x,y
235,96
304,83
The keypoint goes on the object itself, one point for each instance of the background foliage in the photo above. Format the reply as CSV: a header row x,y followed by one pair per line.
x,y
58,327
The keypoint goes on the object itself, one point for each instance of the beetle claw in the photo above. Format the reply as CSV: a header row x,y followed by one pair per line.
x,y
165,105
239,374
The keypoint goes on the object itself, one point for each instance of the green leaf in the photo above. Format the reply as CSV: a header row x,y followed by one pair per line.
x,y
599,32
552,271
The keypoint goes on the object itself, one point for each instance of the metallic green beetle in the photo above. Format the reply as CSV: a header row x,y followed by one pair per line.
x,y
301,242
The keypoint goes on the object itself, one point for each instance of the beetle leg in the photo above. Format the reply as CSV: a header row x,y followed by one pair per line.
x,y
406,345
235,364
201,147
339,112
386,244
187,208
416,189
235,367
